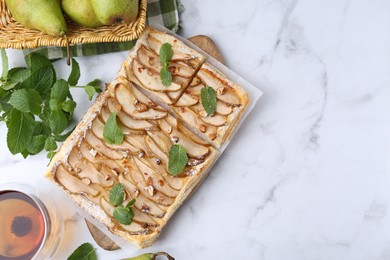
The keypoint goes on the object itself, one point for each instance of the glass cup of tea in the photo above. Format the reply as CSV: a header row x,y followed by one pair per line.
x,y
31,226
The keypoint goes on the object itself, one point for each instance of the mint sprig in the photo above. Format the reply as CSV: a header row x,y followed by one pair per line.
x,y
85,251
112,134
36,106
165,58
123,215
209,99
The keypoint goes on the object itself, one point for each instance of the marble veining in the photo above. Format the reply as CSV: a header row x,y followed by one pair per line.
x,y
308,174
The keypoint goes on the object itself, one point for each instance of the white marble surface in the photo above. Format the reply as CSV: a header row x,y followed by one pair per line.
x,y
308,175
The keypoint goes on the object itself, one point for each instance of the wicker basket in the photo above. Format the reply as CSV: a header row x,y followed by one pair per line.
x,y
16,36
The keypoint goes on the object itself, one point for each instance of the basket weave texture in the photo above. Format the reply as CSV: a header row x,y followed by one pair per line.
x,y
16,36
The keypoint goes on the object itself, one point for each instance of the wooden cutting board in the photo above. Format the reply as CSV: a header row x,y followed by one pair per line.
x,y
206,44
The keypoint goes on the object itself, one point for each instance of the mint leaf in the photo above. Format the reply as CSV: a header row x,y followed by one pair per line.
x,y
8,85
131,203
54,104
124,216
50,144
84,252
18,74
41,79
117,194
90,90
57,121
60,90
111,132
74,74
61,138
165,76
35,61
209,100
165,53
178,159
26,100
68,105
20,128
37,144
4,62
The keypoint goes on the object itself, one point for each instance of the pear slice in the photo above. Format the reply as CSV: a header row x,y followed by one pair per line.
x,y
134,228
72,183
127,120
186,100
193,120
85,169
223,108
127,101
151,60
195,90
155,45
228,96
150,79
136,141
161,140
156,179
193,136
91,155
155,150
215,120
176,183
99,146
141,97
144,219
141,202
193,149
138,177
109,173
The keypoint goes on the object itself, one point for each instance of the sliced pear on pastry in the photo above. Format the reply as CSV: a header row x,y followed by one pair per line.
x,y
155,45
150,79
223,108
126,120
127,101
72,183
186,100
99,146
156,151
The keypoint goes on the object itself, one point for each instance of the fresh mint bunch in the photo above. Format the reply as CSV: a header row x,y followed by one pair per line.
x,y
36,106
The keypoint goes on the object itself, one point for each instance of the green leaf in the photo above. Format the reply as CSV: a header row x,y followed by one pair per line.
x,y
165,76
124,216
68,105
95,83
111,132
165,53
209,100
90,90
54,104
61,138
74,74
60,90
117,194
35,61
84,252
131,203
8,85
26,100
4,62
41,79
51,154
50,144
57,121
37,144
178,159
20,128
18,74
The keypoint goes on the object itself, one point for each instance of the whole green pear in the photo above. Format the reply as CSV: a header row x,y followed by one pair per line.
x,y
43,15
81,12
115,11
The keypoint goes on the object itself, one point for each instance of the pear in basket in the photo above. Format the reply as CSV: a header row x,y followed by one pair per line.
x,y
115,11
81,12
43,15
